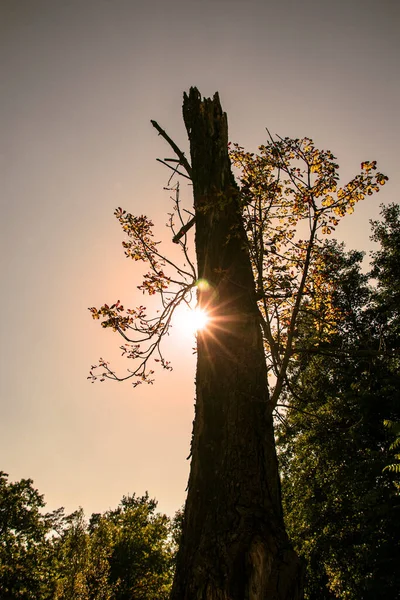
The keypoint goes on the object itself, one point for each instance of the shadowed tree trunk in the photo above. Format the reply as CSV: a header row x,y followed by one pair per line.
x,y
234,545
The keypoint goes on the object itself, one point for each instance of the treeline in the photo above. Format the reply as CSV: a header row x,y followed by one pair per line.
x,y
125,553
340,475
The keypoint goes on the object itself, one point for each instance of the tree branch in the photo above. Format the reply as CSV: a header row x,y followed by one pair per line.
x,y
174,169
183,230
183,161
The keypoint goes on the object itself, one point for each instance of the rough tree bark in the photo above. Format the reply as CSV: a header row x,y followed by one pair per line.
x,y
234,545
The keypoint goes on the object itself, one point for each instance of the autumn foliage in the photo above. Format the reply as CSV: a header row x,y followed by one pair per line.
x,y
291,200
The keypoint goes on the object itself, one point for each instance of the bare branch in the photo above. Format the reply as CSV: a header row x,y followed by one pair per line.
x,y
183,160
293,319
183,230
174,169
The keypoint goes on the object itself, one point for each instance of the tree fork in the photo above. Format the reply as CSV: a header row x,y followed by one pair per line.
x,y
234,545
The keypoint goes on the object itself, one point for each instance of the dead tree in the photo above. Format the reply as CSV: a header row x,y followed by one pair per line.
x,y
234,545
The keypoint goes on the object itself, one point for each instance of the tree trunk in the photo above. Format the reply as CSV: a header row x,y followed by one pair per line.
x,y
234,545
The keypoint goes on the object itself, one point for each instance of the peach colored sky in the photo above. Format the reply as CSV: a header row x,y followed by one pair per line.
x,y
80,81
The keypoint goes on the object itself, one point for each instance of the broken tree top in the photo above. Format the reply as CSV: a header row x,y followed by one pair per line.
x,y
208,110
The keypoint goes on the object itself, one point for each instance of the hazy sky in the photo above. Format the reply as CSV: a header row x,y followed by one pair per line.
x,y
79,82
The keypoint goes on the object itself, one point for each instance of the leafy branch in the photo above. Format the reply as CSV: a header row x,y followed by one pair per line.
x,y
174,284
291,201
289,187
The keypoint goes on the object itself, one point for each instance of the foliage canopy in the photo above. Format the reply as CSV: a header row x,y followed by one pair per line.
x,y
341,502
124,553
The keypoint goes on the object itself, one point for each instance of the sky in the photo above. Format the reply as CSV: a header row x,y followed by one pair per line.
x,y
80,81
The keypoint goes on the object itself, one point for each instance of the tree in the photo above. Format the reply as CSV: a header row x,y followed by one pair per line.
x,y
253,272
140,553
340,506
125,553
122,554
386,267
24,552
72,552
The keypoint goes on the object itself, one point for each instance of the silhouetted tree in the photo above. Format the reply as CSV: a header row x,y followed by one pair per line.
x,y
252,276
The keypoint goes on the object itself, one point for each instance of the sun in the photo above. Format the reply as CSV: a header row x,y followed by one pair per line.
x,y
199,319
192,320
